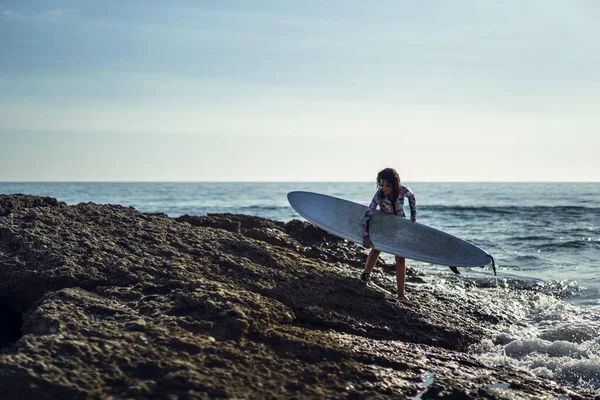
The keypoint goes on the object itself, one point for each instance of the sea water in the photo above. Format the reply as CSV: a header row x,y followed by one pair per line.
x,y
545,238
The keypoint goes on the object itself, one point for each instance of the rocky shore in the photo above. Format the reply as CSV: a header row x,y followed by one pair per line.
x,y
103,301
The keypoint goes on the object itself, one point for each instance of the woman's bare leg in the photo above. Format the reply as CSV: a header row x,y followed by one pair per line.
x,y
401,276
371,260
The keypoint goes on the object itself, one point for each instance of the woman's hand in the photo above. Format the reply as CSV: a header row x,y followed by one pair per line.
x,y
367,242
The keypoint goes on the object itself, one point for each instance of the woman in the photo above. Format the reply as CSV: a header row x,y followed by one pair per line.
x,y
390,198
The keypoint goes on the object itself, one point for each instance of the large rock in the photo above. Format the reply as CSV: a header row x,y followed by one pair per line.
x,y
102,301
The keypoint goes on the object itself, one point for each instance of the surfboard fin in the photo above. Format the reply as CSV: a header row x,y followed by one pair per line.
x,y
455,270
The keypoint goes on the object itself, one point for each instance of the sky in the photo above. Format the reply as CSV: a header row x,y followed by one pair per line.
x,y
299,91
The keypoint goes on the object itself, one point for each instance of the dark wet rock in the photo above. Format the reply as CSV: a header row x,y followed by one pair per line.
x,y
310,235
236,223
114,303
18,202
221,222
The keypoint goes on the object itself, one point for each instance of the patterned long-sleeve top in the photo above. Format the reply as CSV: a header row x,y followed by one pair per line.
x,y
381,200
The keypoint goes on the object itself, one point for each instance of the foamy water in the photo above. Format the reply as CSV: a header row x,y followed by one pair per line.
x,y
540,333
552,339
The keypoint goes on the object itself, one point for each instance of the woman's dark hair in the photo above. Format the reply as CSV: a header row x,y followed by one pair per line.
x,y
390,175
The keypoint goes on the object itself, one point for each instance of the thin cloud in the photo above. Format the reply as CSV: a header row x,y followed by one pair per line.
x,y
11,14
56,15
44,16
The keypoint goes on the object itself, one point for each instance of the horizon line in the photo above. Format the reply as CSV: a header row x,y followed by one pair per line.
x,y
282,181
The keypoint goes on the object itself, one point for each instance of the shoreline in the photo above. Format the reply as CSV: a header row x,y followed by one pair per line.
x,y
116,302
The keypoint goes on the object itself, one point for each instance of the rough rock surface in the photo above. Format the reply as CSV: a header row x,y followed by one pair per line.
x,y
103,301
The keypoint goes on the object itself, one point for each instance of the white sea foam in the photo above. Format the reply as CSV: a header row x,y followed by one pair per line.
x,y
547,337
538,332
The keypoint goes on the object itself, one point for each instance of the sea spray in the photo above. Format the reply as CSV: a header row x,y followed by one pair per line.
x,y
541,333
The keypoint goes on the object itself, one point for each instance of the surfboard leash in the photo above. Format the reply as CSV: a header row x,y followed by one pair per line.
x,y
455,270
493,263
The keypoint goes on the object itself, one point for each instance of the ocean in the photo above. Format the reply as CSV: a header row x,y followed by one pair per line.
x,y
545,238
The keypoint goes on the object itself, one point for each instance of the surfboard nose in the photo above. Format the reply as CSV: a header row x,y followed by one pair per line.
x,y
305,203
299,198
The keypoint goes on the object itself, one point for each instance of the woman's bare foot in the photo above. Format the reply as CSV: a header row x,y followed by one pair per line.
x,y
404,298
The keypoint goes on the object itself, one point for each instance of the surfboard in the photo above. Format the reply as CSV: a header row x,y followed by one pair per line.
x,y
389,233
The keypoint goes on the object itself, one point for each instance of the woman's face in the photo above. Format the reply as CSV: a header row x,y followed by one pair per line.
x,y
386,187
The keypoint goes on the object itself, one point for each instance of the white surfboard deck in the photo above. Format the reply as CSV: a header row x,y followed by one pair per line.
x,y
389,233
